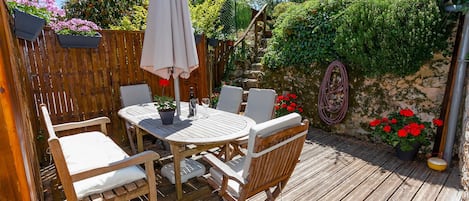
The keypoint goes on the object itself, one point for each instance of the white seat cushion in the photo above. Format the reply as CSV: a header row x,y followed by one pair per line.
x,y
90,150
237,166
190,170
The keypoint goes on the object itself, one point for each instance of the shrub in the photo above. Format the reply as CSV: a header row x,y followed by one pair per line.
x,y
136,21
281,8
206,18
103,13
304,35
385,36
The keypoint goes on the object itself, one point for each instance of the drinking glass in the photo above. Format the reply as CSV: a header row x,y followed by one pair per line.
x,y
205,105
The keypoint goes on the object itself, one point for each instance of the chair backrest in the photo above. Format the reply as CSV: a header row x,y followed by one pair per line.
x,y
260,104
135,94
273,151
230,99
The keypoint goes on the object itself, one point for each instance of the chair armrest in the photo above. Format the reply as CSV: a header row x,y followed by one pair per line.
x,y
146,156
222,167
80,124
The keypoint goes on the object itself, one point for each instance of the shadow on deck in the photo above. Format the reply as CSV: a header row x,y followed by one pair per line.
x,y
331,167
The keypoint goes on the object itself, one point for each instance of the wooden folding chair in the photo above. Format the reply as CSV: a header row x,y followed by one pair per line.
x,y
274,148
91,166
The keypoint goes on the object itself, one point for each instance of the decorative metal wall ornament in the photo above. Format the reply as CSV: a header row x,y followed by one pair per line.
x,y
333,94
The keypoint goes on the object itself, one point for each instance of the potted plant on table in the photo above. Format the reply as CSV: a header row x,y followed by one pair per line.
x,y
31,16
404,131
77,33
166,107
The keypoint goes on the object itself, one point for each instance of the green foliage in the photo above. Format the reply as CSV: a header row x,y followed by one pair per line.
x,y
206,18
164,103
243,15
281,8
304,35
102,12
390,36
136,21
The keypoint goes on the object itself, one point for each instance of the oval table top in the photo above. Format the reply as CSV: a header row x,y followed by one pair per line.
x,y
216,127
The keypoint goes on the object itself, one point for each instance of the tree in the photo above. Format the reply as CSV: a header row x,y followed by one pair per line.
x,y
103,12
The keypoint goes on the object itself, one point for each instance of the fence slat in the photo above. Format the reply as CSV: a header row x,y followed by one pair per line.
x,y
81,83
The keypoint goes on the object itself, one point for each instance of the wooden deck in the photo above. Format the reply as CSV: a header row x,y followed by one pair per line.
x,y
333,167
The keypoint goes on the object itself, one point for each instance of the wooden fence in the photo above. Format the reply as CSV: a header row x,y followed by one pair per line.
x,y
78,84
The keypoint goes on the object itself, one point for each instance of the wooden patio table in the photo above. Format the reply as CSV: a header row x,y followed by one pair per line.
x,y
214,129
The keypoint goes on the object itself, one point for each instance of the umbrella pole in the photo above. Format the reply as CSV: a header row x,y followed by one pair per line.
x,y
177,97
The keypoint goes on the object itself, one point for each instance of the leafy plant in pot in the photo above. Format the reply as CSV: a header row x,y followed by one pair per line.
x,y
166,107
404,131
31,16
77,33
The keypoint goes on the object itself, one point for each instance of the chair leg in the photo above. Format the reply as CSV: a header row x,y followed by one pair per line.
x,y
130,134
279,188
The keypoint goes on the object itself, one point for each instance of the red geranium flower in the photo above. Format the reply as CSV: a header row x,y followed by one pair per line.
x,y
164,82
285,104
403,129
402,133
438,122
375,122
294,96
406,112
387,128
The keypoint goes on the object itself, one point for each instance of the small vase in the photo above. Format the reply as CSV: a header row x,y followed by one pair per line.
x,y
407,155
78,41
167,117
28,26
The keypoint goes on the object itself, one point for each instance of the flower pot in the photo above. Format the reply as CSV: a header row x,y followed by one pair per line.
x,y
212,42
78,41
407,155
167,117
197,38
27,26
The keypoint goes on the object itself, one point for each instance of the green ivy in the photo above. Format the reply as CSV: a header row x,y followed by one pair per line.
x,y
304,35
390,36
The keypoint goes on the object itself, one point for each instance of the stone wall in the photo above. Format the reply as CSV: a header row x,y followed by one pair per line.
x,y
369,98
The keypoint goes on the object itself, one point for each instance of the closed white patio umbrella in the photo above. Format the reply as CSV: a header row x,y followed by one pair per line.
x,y
169,47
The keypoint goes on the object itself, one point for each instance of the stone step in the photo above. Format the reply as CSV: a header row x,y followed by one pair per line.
x,y
253,74
257,66
258,59
250,83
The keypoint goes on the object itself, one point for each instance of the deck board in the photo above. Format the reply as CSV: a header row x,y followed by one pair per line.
x,y
331,167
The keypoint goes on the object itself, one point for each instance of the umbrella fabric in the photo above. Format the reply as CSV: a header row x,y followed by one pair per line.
x,y
169,46
169,40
